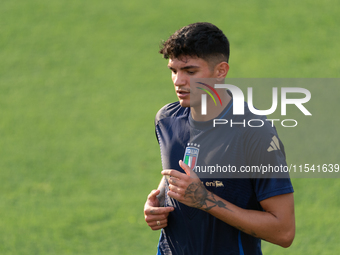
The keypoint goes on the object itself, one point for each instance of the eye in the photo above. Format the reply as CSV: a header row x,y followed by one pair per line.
x,y
191,72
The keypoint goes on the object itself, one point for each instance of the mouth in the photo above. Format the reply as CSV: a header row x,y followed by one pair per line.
x,y
182,94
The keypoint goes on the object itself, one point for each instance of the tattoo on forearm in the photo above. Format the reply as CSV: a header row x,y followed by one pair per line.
x,y
218,203
199,196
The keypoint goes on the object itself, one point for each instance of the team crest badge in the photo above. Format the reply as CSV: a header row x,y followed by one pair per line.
x,y
191,155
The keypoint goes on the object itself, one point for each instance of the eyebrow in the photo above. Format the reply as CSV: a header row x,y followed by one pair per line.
x,y
184,68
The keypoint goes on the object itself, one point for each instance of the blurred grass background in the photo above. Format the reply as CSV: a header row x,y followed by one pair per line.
x,y
80,83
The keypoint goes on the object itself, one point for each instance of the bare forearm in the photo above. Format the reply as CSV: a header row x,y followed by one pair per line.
x,y
276,223
260,224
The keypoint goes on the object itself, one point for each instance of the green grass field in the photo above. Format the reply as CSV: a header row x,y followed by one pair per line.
x,y
80,83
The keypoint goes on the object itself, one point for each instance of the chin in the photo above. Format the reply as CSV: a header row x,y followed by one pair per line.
x,y
184,103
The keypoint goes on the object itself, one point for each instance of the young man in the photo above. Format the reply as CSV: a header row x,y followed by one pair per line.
x,y
223,215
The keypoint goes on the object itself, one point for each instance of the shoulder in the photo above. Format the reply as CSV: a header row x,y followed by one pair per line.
x,y
171,110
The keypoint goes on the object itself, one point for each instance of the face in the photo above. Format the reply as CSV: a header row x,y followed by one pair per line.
x,y
184,69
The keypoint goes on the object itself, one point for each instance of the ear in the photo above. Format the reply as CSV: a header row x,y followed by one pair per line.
x,y
221,70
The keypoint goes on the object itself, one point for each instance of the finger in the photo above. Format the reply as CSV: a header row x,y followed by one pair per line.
x,y
162,225
158,223
176,182
175,195
176,189
153,218
173,173
158,210
153,194
185,167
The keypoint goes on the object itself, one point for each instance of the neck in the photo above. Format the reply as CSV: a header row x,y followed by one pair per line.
x,y
213,110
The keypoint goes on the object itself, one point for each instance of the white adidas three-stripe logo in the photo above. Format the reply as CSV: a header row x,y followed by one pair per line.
x,y
274,144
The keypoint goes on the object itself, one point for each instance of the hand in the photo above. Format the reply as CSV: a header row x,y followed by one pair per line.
x,y
186,188
156,216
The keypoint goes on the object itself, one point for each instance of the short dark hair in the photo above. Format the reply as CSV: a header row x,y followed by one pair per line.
x,y
201,39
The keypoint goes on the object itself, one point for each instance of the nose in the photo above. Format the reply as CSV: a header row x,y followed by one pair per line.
x,y
179,79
